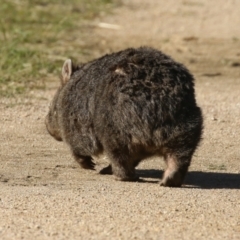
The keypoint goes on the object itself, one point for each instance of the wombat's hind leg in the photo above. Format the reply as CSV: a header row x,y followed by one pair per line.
x,y
85,162
107,170
122,167
177,167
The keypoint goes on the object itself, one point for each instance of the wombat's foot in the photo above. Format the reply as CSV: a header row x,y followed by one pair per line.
x,y
172,179
122,166
107,170
127,179
175,172
85,162
124,173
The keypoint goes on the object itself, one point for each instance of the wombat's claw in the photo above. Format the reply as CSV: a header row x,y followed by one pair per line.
x,y
107,170
88,165
163,183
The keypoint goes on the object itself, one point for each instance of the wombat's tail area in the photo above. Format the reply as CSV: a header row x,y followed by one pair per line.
x,y
180,149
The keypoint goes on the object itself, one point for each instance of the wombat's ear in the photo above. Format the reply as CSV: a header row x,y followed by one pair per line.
x,y
67,71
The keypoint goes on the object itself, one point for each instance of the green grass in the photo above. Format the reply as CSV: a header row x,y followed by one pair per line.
x,y
37,35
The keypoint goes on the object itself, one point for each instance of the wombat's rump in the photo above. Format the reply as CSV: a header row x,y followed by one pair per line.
x,y
130,105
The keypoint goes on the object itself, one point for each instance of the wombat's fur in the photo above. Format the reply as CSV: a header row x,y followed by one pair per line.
x,y
130,105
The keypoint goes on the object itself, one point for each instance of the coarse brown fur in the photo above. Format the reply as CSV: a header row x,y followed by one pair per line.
x,y
130,105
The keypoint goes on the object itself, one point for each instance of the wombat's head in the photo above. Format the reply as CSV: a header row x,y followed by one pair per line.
x,y
51,121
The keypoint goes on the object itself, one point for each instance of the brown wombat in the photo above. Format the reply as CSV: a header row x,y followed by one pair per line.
x,y
130,105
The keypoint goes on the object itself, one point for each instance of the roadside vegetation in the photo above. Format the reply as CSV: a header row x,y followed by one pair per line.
x,y
36,36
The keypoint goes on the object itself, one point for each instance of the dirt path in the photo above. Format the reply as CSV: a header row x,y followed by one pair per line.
x,y
45,195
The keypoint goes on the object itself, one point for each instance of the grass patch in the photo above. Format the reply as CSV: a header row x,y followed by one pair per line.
x,y
37,35
221,167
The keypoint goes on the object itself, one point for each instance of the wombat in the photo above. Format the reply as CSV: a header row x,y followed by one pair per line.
x,y
129,105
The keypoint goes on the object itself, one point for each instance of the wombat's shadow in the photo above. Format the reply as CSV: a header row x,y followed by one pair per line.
x,y
198,179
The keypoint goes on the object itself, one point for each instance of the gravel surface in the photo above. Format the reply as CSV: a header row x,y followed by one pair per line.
x,y
44,194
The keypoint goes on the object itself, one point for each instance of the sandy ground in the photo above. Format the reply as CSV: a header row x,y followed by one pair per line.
x,y
44,194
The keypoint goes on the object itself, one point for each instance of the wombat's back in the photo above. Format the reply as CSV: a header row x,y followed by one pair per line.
x,y
136,91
